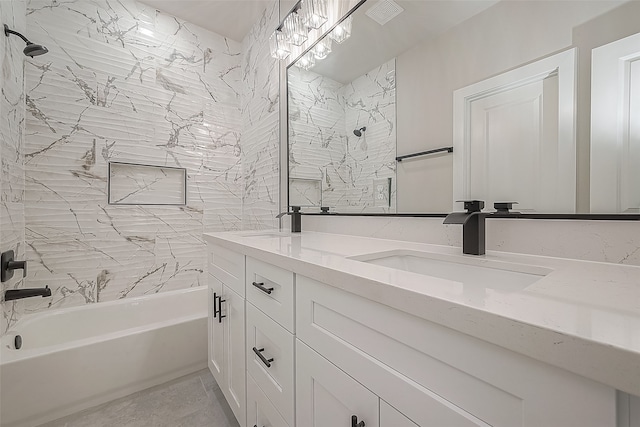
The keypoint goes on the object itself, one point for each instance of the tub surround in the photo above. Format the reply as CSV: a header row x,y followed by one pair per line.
x,y
582,316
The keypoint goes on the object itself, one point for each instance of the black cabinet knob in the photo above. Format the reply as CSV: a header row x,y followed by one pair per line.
x,y
355,423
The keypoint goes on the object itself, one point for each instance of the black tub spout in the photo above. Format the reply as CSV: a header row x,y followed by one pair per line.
x,y
13,294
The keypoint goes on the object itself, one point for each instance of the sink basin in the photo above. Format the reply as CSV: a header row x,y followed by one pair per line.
x,y
468,271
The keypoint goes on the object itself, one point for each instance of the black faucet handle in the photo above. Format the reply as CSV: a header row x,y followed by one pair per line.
x,y
473,205
503,207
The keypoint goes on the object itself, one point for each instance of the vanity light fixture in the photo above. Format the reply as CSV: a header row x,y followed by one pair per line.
x,y
315,13
278,45
342,31
322,49
295,30
306,62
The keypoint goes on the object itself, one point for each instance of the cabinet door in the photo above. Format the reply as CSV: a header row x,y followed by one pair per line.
x,y
232,311
390,417
326,396
216,334
260,411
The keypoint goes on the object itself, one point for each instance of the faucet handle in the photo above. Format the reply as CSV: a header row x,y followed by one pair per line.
x,y
472,205
503,207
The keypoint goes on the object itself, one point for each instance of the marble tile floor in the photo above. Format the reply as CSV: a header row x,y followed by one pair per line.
x,y
194,400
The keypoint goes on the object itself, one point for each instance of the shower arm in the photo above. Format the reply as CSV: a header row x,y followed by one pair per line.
x,y
7,31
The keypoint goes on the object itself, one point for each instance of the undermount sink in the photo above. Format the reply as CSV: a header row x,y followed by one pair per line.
x,y
468,271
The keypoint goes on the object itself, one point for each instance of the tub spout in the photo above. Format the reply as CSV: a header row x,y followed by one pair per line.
x,y
13,294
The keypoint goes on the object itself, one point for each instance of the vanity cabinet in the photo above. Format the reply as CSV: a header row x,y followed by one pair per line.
x,y
226,322
291,351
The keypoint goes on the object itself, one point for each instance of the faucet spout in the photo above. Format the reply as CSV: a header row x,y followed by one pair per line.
x,y
473,227
13,294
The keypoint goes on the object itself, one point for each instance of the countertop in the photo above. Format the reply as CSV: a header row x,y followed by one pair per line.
x,y
582,316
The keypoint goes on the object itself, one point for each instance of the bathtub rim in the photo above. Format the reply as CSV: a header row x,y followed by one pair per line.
x,y
10,354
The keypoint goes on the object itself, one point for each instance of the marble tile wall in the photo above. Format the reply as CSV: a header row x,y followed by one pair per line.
x,y
260,125
124,82
323,116
370,101
317,138
12,113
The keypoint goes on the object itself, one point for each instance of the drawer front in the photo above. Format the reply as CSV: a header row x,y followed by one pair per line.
x,y
260,411
270,288
228,267
390,417
436,376
276,345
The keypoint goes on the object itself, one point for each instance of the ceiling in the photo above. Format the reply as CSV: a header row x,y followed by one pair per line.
x,y
229,18
371,44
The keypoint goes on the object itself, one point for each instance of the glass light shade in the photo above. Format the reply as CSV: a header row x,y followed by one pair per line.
x,y
296,31
314,13
306,62
342,31
278,45
322,49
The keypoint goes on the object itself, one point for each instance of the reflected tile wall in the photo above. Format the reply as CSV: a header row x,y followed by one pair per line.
x,y
317,136
323,115
370,101
124,82
12,114
260,125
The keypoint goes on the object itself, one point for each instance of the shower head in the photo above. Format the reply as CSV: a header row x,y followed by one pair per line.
x,y
31,49
358,132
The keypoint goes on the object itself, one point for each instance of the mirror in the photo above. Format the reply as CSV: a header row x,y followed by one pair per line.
x,y
437,76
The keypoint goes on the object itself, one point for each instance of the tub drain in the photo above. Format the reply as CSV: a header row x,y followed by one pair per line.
x,y
18,342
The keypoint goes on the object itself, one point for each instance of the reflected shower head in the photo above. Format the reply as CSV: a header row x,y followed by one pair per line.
x,y
31,49
358,132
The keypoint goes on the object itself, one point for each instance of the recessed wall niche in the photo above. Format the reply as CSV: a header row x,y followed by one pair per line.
x,y
138,184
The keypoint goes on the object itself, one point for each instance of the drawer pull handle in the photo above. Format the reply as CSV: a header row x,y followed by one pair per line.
x,y
258,352
355,423
215,309
262,288
220,316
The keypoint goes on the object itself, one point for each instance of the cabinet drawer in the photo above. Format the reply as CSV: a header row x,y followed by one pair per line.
x,y
260,411
270,288
437,376
276,344
228,267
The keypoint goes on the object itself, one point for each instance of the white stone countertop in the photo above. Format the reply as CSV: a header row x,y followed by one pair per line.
x,y
582,316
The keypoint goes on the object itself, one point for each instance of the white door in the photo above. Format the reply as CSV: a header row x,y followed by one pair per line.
x,y
615,127
326,396
232,311
514,137
216,333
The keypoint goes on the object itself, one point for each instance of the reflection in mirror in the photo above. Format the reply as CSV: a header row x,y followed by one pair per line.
x,y
439,48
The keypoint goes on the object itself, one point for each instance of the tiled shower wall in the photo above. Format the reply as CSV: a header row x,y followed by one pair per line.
x,y
123,82
12,113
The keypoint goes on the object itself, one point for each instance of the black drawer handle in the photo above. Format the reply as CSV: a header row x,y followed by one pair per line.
x,y
215,308
267,362
220,316
262,287
355,423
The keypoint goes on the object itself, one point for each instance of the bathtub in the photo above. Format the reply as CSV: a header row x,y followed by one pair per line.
x,y
75,358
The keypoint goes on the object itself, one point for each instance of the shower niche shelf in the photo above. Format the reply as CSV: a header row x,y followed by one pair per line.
x,y
140,184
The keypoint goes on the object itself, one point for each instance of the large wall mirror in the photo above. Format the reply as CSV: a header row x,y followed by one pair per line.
x,y
408,106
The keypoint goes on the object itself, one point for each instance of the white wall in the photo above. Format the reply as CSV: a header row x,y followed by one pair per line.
x,y
501,38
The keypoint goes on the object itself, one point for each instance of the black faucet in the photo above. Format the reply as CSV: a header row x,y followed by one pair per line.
x,y
473,227
296,219
12,294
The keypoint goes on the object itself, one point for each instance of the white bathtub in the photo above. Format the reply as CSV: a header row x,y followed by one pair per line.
x,y
75,358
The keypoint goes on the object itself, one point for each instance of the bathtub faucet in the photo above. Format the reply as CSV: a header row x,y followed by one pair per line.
x,y
12,294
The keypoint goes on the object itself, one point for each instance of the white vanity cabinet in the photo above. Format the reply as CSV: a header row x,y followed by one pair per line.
x,y
438,377
290,351
227,327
